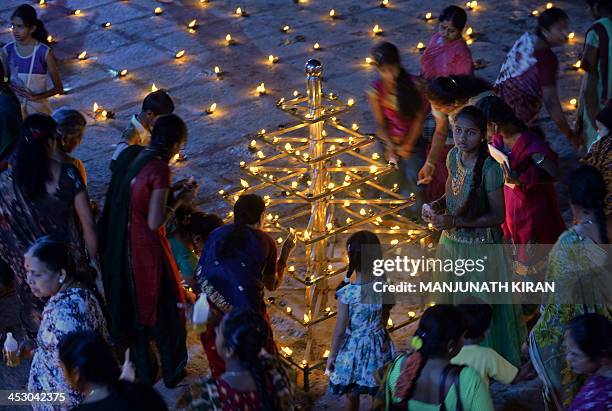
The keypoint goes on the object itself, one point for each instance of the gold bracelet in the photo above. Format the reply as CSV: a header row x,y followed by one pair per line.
x,y
430,164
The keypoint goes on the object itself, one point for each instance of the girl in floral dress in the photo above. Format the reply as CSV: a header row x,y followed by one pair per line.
x,y
73,305
361,343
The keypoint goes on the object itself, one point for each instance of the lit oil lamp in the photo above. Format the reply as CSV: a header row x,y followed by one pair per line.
x,y
228,40
211,109
154,88
285,29
83,55
76,12
261,89
428,16
420,46
369,60
158,11
123,73
350,102
377,30
549,6
192,24
384,3
571,36
179,54
273,59
106,24
317,46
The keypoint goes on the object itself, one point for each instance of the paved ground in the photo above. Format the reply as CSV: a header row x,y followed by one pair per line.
x,y
145,45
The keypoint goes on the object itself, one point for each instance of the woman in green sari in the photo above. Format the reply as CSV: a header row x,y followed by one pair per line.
x,y
596,56
470,213
580,268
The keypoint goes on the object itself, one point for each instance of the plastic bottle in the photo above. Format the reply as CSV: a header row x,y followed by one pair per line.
x,y
201,309
11,350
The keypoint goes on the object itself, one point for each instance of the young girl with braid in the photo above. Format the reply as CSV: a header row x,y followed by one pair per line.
x,y
470,214
360,343
425,380
253,380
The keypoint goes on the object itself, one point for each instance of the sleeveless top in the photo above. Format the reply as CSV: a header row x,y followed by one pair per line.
x,y
29,72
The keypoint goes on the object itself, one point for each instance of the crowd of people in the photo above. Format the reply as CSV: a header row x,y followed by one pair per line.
x,y
101,287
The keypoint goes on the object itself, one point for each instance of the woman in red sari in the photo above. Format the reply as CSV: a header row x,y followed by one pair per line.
x,y
532,209
141,279
447,54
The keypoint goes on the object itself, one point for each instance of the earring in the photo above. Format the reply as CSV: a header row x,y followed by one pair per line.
x,y
61,280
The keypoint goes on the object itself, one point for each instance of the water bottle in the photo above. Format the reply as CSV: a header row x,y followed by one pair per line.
x,y
11,350
201,308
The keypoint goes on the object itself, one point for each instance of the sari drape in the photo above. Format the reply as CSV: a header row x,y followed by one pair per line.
x,y
581,271
442,59
23,221
532,209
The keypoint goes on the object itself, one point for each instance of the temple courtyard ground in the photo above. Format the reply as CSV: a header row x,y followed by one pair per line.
x,y
145,44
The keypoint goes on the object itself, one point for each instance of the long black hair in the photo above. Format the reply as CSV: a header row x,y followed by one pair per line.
x,y
439,325
456,89
32,167
588,190
28,15
246,332
88,353
548,18
471,207
592,333
190,222
409,99
456,15
168,130
248,210
362,248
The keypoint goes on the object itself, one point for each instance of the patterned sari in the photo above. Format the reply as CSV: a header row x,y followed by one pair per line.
x,y
523,75
579,270
22,221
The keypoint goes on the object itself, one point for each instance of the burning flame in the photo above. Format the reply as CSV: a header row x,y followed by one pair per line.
x,y
95,107
83,55
179,54
192,23
158,10
153,88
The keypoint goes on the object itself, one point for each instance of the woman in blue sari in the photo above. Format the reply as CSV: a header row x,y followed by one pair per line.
x,y
238,261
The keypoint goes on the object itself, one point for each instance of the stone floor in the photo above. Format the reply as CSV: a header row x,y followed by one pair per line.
x,y
145,44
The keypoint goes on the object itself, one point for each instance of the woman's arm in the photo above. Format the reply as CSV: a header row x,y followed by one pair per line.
x,y
550,167
494,217
437,145
379,117
58,87
415,132
81,204
589,59
338,336
553,106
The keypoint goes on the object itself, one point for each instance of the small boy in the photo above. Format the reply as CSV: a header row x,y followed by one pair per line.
x,y
485,360
155,104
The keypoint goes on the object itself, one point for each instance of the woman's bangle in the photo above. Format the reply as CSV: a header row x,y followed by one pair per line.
x,y
430,164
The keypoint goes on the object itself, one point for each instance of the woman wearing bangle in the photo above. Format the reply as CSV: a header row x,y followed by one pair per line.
x,y
141,280
470,214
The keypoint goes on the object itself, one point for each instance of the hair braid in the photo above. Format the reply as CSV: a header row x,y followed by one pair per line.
x,y
470,207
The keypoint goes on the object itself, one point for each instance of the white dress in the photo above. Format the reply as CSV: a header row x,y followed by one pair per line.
x,y
75,309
